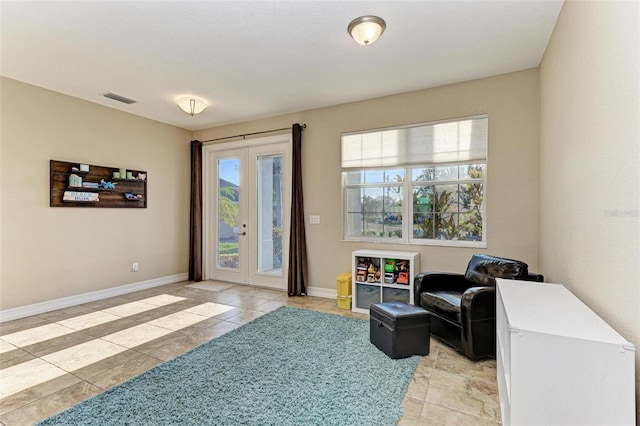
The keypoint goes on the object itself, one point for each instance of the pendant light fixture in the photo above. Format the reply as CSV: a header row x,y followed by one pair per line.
x,y
366,29
191,105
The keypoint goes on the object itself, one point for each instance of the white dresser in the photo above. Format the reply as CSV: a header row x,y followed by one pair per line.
x,y
558,362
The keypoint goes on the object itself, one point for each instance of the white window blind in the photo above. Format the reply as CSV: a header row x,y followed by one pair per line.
x,y
453,141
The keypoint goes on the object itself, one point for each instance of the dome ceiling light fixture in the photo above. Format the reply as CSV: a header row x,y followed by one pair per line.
x,y
366,29
191,105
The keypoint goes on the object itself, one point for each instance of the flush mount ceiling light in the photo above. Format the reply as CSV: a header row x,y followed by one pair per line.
x,y
191,105
366,29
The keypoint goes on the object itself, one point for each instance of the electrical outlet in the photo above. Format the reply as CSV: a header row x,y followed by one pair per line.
x,y
135,267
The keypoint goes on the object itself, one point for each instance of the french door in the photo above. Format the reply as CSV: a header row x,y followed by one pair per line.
x,y
246,193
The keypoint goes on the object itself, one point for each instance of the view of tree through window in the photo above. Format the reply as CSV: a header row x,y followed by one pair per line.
x,y
447,202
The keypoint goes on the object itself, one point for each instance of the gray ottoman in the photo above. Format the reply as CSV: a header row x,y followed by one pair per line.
x,y
398,329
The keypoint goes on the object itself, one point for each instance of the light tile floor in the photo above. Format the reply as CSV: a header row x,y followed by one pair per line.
x,y
52,361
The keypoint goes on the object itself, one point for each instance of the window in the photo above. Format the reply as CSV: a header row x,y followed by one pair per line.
x,y
421,184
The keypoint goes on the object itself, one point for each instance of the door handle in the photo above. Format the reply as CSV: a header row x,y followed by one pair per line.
x,y
243,233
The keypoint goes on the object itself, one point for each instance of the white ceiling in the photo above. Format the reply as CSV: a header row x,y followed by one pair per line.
x,y
253,59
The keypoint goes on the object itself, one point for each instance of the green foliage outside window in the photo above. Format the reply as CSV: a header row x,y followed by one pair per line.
x,y
228,209
451,211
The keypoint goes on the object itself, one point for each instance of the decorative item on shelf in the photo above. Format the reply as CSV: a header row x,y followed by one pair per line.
x,y
133,197
123,173
82,197
130,175
116,175
84,167
142,176
91,185
75,181
107,185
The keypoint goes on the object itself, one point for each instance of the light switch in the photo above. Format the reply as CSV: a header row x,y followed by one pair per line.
x,y
314,219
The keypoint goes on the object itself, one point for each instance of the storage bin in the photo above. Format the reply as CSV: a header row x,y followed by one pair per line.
x,y
344,302
367,295
343,282
390,294
399,330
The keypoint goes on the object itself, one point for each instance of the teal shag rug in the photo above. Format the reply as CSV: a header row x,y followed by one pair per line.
x,y
289,367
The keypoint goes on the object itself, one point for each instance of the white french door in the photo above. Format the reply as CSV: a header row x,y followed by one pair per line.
x,y
246,193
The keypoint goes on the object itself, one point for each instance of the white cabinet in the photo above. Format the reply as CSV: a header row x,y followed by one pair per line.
x,y
558,362
382,276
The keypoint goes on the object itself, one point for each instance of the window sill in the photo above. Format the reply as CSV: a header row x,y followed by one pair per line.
x,y
420,242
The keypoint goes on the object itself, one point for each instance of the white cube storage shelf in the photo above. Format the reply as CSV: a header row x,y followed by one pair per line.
x,y
558,362
374,285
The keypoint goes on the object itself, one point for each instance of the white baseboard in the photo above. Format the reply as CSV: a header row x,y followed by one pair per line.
x,y
65,302
322,292
311,291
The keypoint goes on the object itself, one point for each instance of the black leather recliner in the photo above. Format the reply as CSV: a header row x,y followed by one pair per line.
x,y
463,307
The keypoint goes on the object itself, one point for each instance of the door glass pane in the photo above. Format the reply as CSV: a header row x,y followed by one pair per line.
x,y
228,212
269,173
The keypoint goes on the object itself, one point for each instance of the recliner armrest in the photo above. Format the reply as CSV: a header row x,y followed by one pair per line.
x,y
478,318
433,281
478,303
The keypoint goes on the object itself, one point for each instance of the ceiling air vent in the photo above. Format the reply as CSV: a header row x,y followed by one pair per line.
x,y
118,98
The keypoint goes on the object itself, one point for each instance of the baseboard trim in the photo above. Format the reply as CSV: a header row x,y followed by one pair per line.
x,y
322,292
65,302
311,291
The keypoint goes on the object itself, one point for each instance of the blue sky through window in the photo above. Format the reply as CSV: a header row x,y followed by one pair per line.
x,y
229,170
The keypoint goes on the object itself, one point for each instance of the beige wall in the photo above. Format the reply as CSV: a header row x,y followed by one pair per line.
x,y
589,115
49,253
511,101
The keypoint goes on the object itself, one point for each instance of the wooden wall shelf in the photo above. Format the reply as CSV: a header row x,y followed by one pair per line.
x,y
114,198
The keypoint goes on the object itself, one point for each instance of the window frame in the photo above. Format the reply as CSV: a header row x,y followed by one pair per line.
x,y
407,207
408,186
345,186
442,242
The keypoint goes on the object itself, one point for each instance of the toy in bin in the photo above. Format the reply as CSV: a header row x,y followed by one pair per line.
x,y
403,278
363,263
402,270
389,265
361,269
373,274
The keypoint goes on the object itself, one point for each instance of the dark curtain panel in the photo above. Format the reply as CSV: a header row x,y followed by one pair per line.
x,y
195,232
297,241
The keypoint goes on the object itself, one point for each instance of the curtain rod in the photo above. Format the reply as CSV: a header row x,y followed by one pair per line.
x,y
243,136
